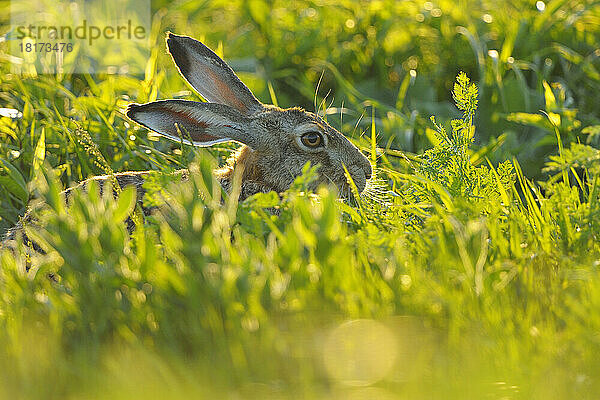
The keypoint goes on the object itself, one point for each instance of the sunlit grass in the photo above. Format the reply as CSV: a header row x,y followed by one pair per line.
x,y
468,268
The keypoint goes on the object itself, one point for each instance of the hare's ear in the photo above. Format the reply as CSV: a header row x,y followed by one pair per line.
x,y
198,124
210,75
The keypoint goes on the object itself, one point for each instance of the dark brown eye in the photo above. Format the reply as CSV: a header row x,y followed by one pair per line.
x,y
312,139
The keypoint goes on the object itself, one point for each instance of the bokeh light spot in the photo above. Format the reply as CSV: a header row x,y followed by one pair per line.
x,y
540,5
359,352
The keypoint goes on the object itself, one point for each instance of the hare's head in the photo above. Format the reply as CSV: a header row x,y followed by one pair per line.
x,y
278,142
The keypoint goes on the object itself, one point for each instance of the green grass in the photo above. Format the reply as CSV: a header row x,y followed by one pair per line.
x,y
470,271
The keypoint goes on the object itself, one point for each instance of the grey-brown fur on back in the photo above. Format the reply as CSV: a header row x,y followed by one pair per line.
x,y
124,179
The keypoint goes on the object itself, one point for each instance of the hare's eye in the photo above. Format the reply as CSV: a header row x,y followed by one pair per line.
x,y
312,139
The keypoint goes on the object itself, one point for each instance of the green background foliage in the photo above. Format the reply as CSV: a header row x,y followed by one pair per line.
x,y
468,270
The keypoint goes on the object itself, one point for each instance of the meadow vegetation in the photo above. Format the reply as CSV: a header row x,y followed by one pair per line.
x,y
468,269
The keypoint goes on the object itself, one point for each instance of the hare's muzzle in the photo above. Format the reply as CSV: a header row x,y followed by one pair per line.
x,y
367,168
361,172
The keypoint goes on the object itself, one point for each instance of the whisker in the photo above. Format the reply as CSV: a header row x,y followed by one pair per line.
x,y
323,103
317,90
358,122
330,180
330,104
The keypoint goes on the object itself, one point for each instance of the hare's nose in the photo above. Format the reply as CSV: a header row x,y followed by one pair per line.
x,y
366,167
368,172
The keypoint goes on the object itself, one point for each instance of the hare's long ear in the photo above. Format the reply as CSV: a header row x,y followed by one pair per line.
x,y
210,75
198,124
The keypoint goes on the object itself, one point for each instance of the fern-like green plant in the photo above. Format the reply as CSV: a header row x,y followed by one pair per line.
x,y
448,162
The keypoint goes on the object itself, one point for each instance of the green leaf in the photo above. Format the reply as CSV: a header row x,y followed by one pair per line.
x,y
11,186
592,131
373,138
125,203
549,97
528,119
351,211
259,10
39,154
14,181
264,200
402,91
53,190
27,111
465,95
272,94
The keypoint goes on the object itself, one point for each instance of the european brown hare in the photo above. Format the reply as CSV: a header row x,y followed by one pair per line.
x,y
277,142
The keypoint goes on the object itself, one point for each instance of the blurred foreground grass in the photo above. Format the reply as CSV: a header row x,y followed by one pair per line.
x,y
453,279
